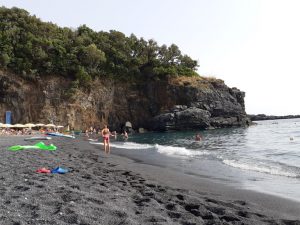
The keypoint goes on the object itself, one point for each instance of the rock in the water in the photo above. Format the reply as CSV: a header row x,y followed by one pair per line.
x,y
190,118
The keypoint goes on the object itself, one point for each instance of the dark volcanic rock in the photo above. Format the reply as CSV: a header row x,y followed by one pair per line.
x,y
173,104
190,118
206,104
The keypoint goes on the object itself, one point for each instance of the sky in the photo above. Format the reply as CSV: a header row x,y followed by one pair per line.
x,y
253,45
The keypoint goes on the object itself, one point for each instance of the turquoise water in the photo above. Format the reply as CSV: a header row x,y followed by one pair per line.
x,y
264,157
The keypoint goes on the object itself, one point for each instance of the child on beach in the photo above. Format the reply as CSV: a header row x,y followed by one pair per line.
x,y
125,135
114,134
87,133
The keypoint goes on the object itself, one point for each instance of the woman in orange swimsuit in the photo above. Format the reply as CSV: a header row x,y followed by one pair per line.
x,y
105,134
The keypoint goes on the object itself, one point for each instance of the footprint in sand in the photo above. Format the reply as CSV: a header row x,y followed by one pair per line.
x,y
21,188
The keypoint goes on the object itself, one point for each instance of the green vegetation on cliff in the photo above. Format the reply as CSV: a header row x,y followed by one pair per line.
x,y
32,48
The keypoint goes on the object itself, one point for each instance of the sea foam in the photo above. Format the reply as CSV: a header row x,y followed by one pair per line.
x,y
178,151
269,169
126,145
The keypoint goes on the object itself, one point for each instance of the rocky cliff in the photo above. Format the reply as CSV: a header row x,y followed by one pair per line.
x,y
173,104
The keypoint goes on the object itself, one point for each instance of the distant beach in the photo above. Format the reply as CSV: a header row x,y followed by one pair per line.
x,y
109,189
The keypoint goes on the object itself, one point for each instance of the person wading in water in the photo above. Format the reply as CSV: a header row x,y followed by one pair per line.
x,y
198,137
105,134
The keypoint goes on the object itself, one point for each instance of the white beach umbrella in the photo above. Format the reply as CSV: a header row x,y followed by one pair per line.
x,y
40,124
59,126
29,125
6,125
50,125
18,125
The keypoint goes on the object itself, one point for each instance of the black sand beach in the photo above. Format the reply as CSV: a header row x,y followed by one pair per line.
x,y
102,189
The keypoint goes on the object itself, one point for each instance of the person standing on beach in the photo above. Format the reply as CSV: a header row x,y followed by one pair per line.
x,y
105,134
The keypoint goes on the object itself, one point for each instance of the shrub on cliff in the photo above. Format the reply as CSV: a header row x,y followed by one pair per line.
x,y
30,47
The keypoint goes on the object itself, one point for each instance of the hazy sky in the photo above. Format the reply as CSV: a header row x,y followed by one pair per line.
x,y
253,45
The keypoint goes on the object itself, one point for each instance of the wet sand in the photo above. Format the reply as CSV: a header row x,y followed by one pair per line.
x,y
102,189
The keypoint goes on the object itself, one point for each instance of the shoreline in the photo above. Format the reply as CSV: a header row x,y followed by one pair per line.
x,y
102,189
272,204
214,170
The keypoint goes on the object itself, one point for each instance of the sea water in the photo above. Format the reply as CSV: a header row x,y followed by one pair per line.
x,y
264,157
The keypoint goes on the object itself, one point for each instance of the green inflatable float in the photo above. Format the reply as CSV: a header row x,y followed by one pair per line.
x,y
39,145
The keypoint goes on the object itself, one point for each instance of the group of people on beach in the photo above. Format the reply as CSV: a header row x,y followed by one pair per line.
x,y
10,131
105,133
24,131
106,136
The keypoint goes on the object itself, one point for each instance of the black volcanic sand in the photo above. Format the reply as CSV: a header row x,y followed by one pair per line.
x,y
108,190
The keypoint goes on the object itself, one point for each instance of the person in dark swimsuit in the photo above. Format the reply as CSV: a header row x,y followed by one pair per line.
x,y
105,134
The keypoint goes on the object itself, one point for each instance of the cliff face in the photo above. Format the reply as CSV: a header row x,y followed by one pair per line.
x,y
176,104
